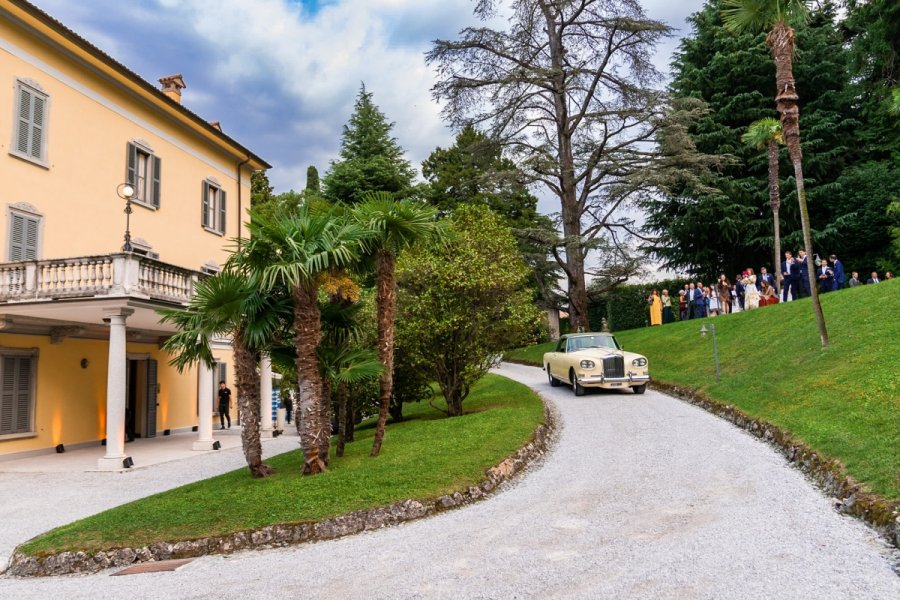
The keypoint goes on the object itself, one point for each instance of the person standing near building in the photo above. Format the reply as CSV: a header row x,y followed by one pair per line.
x,y
655,308
224,404
667,315
805,262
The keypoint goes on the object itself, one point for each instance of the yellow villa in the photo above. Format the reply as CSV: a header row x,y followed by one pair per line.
x,y
80,358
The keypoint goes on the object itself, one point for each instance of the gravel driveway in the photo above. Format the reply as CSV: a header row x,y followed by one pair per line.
x,y
642,497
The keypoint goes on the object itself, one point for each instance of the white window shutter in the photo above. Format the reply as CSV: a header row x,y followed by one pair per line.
x,y
37,127
24,126
17,237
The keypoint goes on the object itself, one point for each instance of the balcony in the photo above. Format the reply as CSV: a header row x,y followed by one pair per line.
x,y
110,276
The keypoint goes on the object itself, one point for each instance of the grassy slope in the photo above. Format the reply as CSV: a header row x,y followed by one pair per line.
x,y
844,401
423,457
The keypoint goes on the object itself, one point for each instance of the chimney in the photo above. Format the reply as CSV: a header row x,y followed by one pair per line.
x,y
216,124
172,86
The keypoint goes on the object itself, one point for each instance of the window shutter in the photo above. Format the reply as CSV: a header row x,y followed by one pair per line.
x,y
7,393
222,211
16,374
17,238
204,206
130,163
23,395
37,127
31,239
157,164
24,120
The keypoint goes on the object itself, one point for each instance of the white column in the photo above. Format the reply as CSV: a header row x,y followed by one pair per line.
x,y
265,393
116,390
205,398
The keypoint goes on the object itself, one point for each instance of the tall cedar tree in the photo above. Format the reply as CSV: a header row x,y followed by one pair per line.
x,y
569,89
371,160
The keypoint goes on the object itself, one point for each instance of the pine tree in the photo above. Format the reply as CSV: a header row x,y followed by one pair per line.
x,y
370,159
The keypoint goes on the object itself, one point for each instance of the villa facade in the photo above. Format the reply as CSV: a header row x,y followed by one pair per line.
x,y
80,357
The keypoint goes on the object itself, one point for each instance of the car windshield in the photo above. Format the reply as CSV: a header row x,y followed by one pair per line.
x,y
592,341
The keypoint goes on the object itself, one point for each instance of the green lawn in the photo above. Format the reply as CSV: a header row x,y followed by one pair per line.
x,y
844,402
424,457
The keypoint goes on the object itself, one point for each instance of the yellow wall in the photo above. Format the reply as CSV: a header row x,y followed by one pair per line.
x,y
71,401
86,148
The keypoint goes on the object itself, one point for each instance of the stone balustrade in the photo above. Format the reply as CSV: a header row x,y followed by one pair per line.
x,y
122,274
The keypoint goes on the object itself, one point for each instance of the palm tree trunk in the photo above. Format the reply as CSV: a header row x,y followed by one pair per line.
x,y
307,330
325,422
342,418
775,203
248,397
781,41
351,420
386,303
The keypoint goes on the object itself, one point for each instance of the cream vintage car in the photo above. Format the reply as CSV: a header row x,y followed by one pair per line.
x,y
595,360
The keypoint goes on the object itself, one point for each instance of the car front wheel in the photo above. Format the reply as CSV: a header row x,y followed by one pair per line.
x,y
640,389
576,387
554,382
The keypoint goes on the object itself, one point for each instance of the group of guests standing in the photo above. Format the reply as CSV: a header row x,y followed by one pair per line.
x,y
750,291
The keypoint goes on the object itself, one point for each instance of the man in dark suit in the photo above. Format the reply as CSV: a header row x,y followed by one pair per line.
x,y
699,300
805,267
873,278
840,278
825,277
764,275
739,289
790,270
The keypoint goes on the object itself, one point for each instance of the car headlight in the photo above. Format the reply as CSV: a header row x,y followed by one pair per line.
x,y
639,362
587,364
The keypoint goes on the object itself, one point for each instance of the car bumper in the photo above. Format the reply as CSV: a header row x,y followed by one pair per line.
x,y
599,380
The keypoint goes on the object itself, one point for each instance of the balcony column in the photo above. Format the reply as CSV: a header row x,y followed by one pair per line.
x,y
205,408
116,391
265,393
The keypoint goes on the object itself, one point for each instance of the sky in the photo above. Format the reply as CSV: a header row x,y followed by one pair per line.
x,y
281,76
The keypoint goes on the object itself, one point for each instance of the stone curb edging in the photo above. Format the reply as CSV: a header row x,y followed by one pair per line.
x,y
849,496
274,536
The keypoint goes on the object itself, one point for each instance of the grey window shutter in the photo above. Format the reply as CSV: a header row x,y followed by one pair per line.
x,y
151,396
37,127
222,211
31,239
17,238
204,206
15,394
24,120
7,394
157,164
23,394
130,163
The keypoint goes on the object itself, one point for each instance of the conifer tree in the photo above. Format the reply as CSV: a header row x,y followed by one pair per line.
x,y
370,159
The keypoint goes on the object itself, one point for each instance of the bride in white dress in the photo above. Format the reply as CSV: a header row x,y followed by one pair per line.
x,y
751,294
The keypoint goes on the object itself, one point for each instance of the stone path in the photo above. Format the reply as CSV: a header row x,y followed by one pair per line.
x,y
642,497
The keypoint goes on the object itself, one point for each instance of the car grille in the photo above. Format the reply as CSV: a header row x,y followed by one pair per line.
x,y
614,366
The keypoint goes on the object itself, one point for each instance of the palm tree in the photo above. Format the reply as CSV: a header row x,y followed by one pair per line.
x,y
776,16
293,251
766,134
394,226
231,304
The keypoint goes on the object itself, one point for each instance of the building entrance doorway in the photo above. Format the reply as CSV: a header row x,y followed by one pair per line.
x,y
141,401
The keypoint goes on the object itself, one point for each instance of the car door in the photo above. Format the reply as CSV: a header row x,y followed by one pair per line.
x,y
557,358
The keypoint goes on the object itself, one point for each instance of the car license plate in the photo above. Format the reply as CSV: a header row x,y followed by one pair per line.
x,y
615,384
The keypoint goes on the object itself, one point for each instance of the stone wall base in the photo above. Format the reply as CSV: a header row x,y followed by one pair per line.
x,y
849,496
273,536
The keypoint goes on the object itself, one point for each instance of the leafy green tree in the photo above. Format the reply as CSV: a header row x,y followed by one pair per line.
x,y
474,171
463,301
778,16
765,134
294,250
370,159
393,227
312,180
